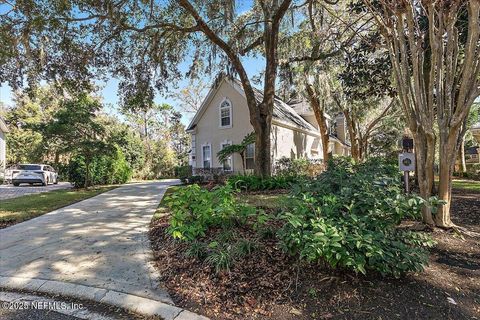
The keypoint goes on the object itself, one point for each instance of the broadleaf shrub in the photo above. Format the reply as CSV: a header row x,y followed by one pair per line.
x,y
183,173
194,210
298,167
217,211
104,169
348,218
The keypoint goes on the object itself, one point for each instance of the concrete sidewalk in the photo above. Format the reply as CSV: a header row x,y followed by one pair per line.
x,y
99,243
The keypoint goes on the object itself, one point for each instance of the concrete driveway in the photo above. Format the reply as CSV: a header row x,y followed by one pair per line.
x,y
100,243
9,191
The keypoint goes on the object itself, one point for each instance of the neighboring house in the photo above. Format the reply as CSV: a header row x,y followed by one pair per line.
x,y
472,154
3,147
476,131
223,119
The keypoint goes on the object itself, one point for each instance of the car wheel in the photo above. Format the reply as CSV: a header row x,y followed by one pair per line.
x,y
56,181
16,184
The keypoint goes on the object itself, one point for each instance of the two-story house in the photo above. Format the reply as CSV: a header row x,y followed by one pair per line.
x,y
223,119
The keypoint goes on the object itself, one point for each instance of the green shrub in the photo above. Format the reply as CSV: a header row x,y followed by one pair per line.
x,y
197,249
298,167
244,247
104,169
196,179
473,172
217,210
223,253
183,173
194,210
348,218
220,257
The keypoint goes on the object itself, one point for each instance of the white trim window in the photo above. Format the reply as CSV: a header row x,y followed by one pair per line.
x,y
250,156
225,113
207,156
227,164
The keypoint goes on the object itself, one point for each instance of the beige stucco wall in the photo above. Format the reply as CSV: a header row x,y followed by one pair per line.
x,y
311,119
294,144
208,129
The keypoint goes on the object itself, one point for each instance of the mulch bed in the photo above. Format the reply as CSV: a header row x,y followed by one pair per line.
x,y
268,284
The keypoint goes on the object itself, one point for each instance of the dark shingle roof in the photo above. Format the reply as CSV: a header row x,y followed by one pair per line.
x,y
283,112
472,150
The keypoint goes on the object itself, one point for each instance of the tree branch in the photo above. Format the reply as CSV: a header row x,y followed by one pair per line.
x,y
251,46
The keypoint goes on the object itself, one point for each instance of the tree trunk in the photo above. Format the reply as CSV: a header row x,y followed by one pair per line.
x,y
319,111
263,161
463,163
461,143
242,155
87,174
260,114
425,155
325,139
448,152
352,132
437,77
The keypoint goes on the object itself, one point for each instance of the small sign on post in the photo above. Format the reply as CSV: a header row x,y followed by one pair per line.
x,y
406,161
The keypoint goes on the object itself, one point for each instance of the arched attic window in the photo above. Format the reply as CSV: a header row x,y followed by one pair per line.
x,y
225,113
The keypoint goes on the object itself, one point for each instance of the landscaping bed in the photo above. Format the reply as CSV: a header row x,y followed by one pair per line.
x,y
338,246
268,284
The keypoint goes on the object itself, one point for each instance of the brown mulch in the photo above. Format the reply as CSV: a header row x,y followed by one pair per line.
x,y
268,284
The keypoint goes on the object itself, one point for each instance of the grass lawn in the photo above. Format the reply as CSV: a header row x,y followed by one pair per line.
x,y
23,208
470,185
266,201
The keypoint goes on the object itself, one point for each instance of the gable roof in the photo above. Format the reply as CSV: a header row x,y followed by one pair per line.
x,y
3,125
282,112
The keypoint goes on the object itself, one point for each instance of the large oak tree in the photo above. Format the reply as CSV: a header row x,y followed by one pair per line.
x,y
143,43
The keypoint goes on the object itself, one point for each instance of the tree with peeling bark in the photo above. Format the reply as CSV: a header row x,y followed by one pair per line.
x,y
434,49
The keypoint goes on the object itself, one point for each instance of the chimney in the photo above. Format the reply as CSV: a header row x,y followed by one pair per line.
x,y
341,129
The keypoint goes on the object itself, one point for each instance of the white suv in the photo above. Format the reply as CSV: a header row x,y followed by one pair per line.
x,y
33,173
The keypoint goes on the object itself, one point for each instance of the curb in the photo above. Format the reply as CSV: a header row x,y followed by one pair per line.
x,y
127,301
17,298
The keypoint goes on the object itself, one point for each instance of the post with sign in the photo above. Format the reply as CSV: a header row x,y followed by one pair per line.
x,y
406,161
